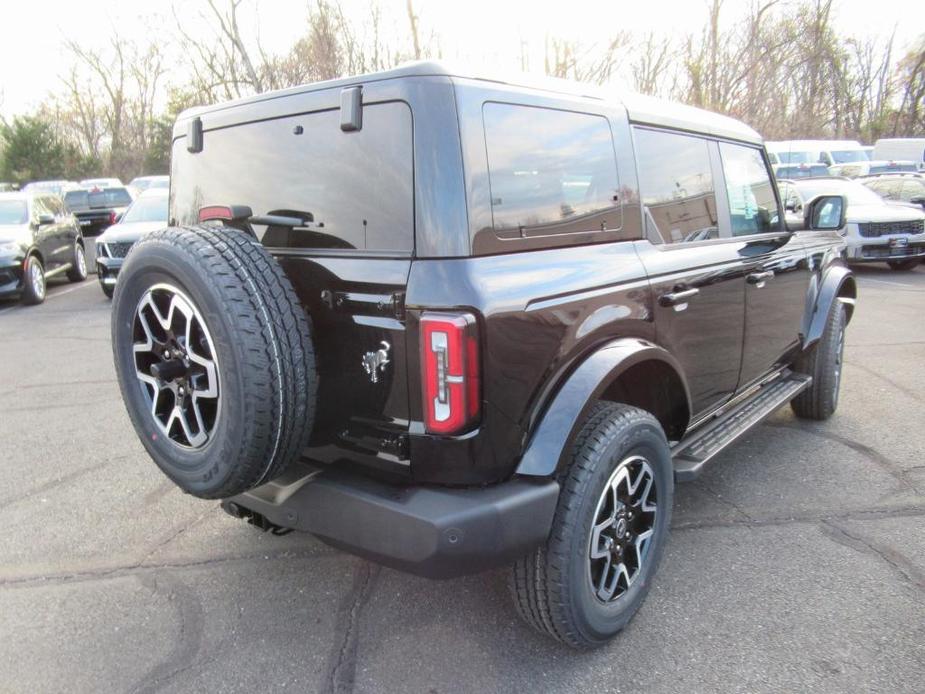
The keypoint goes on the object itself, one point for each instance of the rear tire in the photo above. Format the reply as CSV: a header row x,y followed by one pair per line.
x,y
222,394
563,588
33,282
823,362
108,290
904,265
78,271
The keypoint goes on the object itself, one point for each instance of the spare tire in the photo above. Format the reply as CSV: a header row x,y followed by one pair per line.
x,y
214,358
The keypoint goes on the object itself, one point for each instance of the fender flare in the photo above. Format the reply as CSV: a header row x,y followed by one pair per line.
x,y
838,284
559,424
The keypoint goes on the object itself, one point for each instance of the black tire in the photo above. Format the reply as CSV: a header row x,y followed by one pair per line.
x,y
108,289
78,271
258,337
823,361
904,265
31,293
553,586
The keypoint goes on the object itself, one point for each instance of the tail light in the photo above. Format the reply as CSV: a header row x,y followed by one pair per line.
x,y
450,363
112,218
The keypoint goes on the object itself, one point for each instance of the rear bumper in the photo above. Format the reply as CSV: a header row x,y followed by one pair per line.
x,y
428,531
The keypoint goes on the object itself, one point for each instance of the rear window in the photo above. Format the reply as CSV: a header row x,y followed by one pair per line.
x,y
76,200
109,197
890,168
358,186
550,172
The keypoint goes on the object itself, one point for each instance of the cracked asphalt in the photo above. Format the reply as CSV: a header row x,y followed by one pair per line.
x,y
796,563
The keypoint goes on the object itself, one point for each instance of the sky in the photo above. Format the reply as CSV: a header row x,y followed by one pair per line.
x,y
33,57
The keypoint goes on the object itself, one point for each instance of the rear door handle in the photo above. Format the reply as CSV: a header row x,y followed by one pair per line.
x,y
759,278
679,298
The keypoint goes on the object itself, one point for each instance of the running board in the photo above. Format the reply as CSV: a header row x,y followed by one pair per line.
x,y
691,455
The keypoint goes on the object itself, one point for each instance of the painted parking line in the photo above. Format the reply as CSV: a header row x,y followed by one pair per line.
x,y
904,285
50,296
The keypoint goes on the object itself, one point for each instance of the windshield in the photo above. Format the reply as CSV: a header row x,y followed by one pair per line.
x,y
848,155
856,193
147,210
111,197
796,157
13,212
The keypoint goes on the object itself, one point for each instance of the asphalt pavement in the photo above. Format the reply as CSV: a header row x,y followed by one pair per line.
x,y
795,563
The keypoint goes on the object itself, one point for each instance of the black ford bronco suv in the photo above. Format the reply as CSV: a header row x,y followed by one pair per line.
x,y
450,323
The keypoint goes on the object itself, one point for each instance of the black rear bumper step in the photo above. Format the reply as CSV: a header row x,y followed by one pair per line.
x,y
429,531
691,455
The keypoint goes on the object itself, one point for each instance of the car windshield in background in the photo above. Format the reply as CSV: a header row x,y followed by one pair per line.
x,y
796,157
856,193
13,212
890,168
110,197
802,171
846,156
147,210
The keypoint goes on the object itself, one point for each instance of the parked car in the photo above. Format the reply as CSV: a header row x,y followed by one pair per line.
x,y
826,152
146,214
876,231
871,168
906,148
434,320
908,189
39,239
6,187
93,183
800,170
868,152
99,208
142,183
56,187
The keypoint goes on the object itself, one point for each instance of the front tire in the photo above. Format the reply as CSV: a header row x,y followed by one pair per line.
x,y
824,363
590,577
33,282
78,271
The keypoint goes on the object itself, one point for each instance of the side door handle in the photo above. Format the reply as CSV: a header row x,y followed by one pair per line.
x,y
759,278
679,298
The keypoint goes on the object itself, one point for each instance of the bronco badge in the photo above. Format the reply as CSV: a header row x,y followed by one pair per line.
x,y
375,362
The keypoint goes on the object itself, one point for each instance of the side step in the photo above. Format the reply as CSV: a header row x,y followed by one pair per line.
x,y
691,454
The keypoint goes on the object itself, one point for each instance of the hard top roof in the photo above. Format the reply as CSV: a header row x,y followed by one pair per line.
x,y
641,109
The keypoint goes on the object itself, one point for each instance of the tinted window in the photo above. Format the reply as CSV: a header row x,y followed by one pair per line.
x,y
76,200
358,186
752,204
110,197
550,172
886,168
676,185
847,155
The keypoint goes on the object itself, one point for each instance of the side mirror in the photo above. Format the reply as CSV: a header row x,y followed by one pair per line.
x,y
918,200
825,213
45,219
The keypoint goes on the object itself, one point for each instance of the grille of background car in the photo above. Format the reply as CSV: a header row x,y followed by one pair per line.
x,y
888,252
875,229
118,250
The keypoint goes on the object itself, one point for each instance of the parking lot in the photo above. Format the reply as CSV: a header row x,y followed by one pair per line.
x,y
796,563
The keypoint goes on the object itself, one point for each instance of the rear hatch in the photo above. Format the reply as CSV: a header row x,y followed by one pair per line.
x,y
348,256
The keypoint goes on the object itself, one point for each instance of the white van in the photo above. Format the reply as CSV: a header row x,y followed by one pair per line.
x,y
828,152
905,148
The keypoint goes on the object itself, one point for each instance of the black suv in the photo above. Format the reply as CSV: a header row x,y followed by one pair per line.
x,y
449,323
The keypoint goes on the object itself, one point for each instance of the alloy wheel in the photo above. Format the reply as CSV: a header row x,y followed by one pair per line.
x,y
622,530
175,362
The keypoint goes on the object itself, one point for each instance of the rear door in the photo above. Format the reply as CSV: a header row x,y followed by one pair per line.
x,y
696,272
348,261
776,272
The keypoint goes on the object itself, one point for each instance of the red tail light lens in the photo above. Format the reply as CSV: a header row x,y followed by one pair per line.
x,y
450,363
211,212
112,218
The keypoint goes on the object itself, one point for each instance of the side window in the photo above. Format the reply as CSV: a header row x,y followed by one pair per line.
x,y
676,186
752,205
549,171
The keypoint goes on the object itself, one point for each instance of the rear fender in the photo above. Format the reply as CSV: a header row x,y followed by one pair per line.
x,y
552,437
